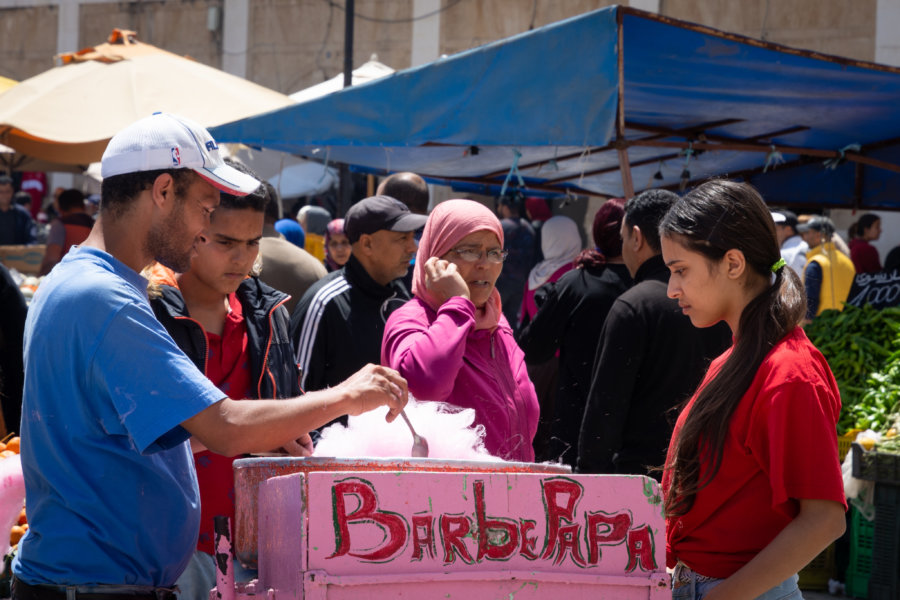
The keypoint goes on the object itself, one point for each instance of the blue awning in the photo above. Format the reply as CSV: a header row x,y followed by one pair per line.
x,y
564,107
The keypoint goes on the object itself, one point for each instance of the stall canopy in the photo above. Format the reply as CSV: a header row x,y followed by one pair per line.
x,y
613,102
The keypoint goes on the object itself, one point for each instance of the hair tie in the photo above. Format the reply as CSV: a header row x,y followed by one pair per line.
x,y
778,265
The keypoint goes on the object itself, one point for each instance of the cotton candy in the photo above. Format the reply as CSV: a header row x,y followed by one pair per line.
x,y
447,428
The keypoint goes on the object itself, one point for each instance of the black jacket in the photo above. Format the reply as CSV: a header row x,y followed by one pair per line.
x,y
338,324
13,311
273,371
570,316
650,359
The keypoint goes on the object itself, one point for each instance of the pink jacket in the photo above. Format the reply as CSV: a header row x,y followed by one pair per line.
x,y
444,358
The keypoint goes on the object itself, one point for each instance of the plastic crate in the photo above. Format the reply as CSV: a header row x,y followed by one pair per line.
x,y
816,574
859,570
844,442
880,467
884,583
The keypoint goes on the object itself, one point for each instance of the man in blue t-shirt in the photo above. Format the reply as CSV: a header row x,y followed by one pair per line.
x,y
110,401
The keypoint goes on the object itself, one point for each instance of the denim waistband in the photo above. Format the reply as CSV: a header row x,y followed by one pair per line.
x,y
685,574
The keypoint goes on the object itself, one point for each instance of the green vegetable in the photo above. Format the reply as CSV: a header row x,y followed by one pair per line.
x,y
862,347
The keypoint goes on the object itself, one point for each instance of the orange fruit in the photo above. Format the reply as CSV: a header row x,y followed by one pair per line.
x,y
16,534
13,444
22,518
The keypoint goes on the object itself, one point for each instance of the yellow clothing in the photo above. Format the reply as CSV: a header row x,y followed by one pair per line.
x,y
837,275
315,245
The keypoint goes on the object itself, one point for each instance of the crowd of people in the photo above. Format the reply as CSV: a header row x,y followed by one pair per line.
x,y
672,347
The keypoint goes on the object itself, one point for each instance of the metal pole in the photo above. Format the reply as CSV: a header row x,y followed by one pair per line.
x,y
345,188
621,145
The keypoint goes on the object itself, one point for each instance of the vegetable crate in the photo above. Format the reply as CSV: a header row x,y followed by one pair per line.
x,y
880,467
859,570
24,259
884,584
845,441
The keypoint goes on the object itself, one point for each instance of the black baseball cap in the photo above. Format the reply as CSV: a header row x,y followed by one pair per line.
x,y
380,212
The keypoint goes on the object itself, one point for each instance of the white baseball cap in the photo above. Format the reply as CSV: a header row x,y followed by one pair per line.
x,y
164,141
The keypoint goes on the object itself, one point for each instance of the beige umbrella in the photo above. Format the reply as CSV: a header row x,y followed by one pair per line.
x,y
67,114
10,161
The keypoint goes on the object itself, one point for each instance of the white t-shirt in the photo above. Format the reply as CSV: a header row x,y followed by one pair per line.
x,y
793,251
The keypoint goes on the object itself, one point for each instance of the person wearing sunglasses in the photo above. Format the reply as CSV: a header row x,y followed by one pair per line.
x,y
451,341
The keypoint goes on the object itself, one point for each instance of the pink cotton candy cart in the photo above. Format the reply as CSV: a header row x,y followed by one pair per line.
x,y
321,529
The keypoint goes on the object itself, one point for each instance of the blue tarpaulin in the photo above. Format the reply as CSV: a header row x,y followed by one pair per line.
x,y
614,101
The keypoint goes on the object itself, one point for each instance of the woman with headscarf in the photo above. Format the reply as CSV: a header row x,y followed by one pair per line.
x,y
337,245
571,315
560,244
451,341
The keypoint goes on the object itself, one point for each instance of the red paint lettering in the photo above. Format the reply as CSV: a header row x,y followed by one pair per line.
x,y
640,550
423,536
497,538
557,514
604,529
393,526
568,542
453,529
528,543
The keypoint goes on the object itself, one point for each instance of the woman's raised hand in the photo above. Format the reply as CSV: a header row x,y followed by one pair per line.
x,y
443,279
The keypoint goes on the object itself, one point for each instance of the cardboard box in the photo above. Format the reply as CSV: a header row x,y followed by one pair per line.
x,y
24,259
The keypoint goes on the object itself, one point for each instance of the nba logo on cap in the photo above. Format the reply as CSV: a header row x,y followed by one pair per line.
x,y
176,156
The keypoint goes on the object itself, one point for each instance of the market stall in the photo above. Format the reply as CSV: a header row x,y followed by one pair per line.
x,y
389,528
610,103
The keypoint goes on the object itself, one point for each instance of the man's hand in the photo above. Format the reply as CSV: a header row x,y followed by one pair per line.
x,y
442,279
374,386
302,446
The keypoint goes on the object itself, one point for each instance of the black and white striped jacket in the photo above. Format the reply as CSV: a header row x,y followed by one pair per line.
x,y
337,326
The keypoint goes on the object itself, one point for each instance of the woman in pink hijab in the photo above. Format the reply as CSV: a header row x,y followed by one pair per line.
x,y
451,341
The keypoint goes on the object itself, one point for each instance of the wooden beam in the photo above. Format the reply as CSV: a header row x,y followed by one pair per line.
x,y
737,146
749,147
547,161
540,187
621,147
625,167
785,131
668,132
637,163
872,162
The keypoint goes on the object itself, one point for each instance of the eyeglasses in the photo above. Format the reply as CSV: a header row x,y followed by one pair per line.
x,y
471,255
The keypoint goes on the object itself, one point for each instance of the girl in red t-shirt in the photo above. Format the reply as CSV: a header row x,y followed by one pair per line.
x,y
752,481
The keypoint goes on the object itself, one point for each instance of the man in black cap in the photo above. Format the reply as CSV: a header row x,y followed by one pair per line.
x,y
793,247
338,324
